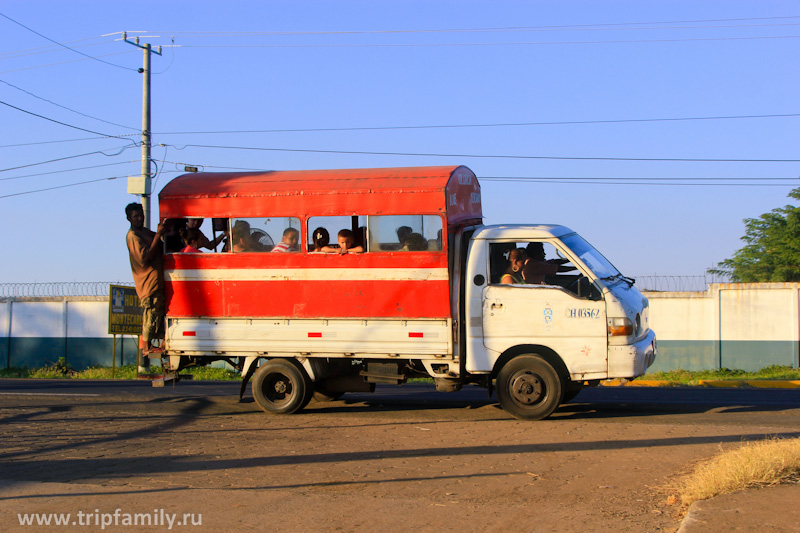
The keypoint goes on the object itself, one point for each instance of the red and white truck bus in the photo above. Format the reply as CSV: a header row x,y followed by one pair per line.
x,y
418,293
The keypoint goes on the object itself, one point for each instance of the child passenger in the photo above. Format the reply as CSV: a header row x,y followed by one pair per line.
x,y
347,245
192,238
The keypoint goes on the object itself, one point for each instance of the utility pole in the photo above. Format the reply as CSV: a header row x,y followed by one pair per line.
x,y
143,187
146,133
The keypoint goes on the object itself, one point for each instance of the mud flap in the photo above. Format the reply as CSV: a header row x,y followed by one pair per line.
x,y
251,367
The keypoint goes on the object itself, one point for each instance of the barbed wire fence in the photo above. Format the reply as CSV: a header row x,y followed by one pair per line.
x,y
678,283
58,289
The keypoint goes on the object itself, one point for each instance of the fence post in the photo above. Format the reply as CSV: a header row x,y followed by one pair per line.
x,y
8,338
66,332
717,299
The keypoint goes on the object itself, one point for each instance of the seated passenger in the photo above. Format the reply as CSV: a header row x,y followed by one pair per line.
x,y
536,267
402,234
415,243
516,260
195,223
321,239
346,244
240,236
288,242
192,237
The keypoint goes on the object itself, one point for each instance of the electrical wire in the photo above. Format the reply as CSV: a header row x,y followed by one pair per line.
x,y
63,45
487,156
531,43
655,178
58,122
443,126
497,125
68,170
66,140
582,181
49,48
613,25
62,186
67,62
64,107
69,157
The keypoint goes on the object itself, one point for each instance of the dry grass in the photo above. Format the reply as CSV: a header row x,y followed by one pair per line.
x,y
753,464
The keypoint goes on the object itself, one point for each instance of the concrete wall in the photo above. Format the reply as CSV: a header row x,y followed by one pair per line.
x,y
35,332
744,326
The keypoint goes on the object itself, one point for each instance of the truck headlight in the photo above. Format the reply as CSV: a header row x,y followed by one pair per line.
x,y
620,327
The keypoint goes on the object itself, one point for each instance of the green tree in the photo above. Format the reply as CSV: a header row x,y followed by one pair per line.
x,y
772,248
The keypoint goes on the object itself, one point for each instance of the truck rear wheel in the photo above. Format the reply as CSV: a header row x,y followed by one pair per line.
x,y
282,387
529,388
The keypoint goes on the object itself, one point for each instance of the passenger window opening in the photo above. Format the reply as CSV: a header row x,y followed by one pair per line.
x,y
337,234
405,233
265,234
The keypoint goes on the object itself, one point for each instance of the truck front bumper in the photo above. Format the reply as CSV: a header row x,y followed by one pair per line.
x,y
632,360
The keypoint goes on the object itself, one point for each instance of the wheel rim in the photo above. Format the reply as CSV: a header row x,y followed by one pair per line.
x,y
527,388
278,388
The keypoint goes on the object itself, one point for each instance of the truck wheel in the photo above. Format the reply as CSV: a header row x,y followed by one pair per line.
x,y
529,388
282,387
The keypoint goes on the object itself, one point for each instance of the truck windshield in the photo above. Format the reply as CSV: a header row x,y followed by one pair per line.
x,y
590,257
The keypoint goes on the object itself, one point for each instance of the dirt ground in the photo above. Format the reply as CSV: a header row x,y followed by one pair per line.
x,y
357,465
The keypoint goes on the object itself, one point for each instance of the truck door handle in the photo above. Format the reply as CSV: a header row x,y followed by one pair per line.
x,y
496,306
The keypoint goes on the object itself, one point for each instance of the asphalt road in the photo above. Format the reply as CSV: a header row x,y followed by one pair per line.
x,y
403,458
638,400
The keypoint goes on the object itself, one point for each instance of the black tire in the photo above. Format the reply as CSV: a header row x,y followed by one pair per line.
x,y
281,386
529,388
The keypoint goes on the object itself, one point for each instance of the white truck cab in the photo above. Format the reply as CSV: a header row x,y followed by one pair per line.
x,y
588,321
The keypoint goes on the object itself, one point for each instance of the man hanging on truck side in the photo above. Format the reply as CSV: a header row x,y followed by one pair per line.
x,y
145,252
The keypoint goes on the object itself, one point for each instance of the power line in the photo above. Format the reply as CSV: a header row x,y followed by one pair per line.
x,y
49,48
496,125
56,121
69,157
531,43
654,178
67,140
65,62
656,181
68,170
63,45
61,186
64,107
648,183
616,25
432,126
487,156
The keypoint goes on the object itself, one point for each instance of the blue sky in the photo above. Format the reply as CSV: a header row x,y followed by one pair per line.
x,y
575,90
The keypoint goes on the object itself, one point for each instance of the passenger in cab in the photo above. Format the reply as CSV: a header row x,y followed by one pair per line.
x,y
192,239
537,267
288,242
516,260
